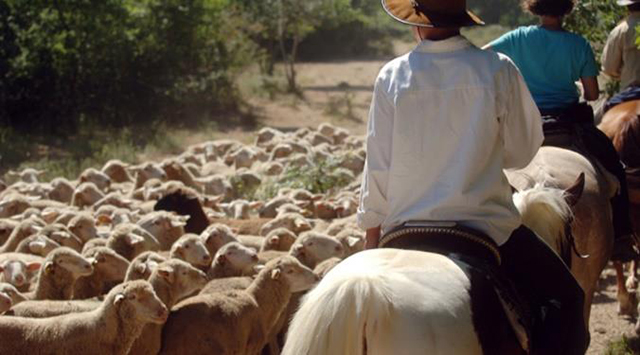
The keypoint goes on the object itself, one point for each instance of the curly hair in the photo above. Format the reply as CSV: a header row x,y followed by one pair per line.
x,y
555,8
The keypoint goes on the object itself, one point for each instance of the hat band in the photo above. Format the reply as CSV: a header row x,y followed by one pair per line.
x,y
439,18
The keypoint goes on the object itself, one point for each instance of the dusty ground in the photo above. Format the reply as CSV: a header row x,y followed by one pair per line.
x,y
340,93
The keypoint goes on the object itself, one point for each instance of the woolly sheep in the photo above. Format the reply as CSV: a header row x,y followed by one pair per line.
x,y
109,269
143,265
312,248
93,243
129,240
12,292
6,227
280,239
352,240
19,272
37,244
191,249
176,171
28,175
201,324
165,226
59,273
62,235
100,179
146,172
293,221
217,235
240,209
227,284
5,303
117,171
269,210
83,225
13,205
23,230
324,267
61,190
86,194
110,329
233,259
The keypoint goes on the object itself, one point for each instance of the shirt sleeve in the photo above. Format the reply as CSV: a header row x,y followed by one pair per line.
x,y
373,207
589,68
503,44
612,54
520,120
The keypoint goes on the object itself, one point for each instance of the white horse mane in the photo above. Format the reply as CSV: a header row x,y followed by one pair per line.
x,y
545,211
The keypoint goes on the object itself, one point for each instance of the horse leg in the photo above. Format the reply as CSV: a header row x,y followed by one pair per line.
x,y
632,280
627,302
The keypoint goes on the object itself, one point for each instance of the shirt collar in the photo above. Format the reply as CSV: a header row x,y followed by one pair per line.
x,y
446,45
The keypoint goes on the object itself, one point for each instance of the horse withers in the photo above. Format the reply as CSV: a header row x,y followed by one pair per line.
x,y
405,302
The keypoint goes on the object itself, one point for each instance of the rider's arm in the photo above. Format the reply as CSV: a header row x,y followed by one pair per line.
x,y
519,118
372,238
373,207
590,87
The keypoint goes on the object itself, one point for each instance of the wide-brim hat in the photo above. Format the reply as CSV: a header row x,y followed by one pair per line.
x,y
627,2
432,13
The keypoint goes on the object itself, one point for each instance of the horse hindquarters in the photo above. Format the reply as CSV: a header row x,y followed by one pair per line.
x,y
387,301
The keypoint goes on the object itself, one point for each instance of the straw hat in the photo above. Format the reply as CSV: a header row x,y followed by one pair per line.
x,y
432,13
627,2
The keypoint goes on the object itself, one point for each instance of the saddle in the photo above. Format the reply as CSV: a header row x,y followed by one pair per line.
x,y
565,128
476,250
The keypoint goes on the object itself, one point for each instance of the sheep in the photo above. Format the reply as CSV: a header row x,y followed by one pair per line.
x,y
93,243
23,230
12,292
240,209
172,280
61,190
13,205
216,184
143,265
278,239
191,248
217,235
293,221
114,199
6,227
109,269
83,225
61,235
352,240
185,203
19,271
269,210
233,259
236,322
3,185
243,157
37,244
85,195
272,168
176,171
58,274
129,240
323,268
166,227
28,175
295,208
312,248
268,136
110,329
146,172
5,303
117,171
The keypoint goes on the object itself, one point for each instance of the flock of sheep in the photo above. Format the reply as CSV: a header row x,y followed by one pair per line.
x,y
166,257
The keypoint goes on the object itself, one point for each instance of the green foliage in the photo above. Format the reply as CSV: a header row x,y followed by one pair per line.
x,y
594,19
623,346
67,62
507,13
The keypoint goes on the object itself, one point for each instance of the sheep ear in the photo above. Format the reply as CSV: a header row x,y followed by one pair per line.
x,y
104,220
83,179
119,299
256,204
222,259
133,239
180,250
298,223
352,241
141,268
275,274
48,268
235,230
258,268
33,266
178,223
166,272
274,240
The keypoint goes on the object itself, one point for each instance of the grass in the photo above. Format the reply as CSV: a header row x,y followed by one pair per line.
x,y
624,346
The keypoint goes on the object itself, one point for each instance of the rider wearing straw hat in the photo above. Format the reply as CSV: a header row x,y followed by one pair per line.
x,y
445,120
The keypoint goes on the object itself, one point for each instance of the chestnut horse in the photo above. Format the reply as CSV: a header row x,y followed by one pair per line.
x,y
622,125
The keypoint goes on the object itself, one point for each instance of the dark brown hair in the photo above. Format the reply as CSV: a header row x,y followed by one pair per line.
x,y
555,8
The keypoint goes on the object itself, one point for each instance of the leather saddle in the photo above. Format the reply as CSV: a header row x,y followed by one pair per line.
x,y
476,250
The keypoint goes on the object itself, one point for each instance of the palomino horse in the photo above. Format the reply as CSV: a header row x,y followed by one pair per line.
x,y
403,302
592,226
622,125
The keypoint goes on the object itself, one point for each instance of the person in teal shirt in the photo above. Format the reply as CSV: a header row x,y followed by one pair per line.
x,y
551,60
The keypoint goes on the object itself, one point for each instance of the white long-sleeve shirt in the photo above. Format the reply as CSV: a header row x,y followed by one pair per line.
x,y
445,120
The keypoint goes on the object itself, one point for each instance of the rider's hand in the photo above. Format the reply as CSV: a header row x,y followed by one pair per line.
x,y
372,238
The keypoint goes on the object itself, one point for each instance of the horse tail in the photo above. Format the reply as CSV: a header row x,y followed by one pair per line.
x,y
546,212
339,315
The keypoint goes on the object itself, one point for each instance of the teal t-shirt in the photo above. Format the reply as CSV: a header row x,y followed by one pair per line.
x,y
550,62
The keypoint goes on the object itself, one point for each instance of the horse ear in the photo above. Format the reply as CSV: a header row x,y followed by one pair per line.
x,y
574,192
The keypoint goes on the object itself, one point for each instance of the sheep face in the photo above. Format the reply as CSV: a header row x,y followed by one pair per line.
x,y
12,292
143,265
116,170
61,190
12,207
185,277
164,224
84,227
100,179
140,298
5,303
110,264
318,246
299,277
238,256
279,239
18,273
69,260
41,245
6,227
147,172
217,235
66,239
86,194
191,249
